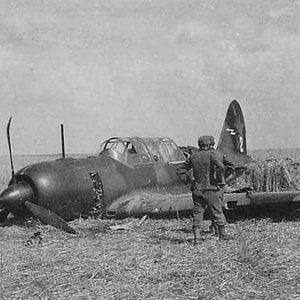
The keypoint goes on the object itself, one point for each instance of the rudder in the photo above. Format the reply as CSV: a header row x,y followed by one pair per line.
x,y
232,140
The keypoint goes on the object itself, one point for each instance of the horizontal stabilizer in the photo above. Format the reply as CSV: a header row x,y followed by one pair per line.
x,y
235,200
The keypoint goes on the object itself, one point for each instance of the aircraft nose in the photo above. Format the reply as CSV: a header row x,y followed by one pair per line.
x,y
14,197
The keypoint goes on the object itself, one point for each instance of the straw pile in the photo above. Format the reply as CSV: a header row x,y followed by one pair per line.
x,y
271,175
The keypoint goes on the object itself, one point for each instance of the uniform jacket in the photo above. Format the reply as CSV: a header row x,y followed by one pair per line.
x,y
229,166
208,169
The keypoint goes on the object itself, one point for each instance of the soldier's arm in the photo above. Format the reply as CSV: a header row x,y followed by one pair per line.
x,y
182,171
217,161
230,167
227,162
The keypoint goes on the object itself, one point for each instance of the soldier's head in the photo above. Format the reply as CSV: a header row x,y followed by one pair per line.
x,y
206,142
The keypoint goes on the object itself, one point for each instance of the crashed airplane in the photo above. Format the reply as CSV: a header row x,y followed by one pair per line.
x,y
130,176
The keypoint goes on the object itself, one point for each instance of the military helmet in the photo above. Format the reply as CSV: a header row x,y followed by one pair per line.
x,y
206,140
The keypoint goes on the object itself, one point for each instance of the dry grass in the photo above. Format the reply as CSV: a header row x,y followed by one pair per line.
x,y
154,261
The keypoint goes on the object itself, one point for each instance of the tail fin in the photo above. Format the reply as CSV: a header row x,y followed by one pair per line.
x,y
232,140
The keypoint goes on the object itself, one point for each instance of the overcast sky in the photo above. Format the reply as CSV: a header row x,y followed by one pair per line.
x,y
147,68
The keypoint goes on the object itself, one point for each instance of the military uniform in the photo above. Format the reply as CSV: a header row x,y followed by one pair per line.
x,y
205,189
220,183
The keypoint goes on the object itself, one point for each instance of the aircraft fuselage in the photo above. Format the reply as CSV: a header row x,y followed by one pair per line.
x,y
65,186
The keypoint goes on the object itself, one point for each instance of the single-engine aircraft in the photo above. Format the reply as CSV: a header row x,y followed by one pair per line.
x,y
130,176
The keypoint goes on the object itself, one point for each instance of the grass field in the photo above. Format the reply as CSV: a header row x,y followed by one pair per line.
x,y
154,261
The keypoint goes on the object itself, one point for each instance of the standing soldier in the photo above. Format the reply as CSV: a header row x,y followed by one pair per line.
x,y
206,186
219,179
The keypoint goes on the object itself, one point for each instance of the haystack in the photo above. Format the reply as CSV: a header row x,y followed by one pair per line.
x,y
271,175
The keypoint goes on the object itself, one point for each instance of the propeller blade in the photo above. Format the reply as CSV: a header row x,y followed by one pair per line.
x,y
49,217
3,215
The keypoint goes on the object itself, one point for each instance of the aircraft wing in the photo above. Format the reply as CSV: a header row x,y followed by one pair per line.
x,y
142,203
166,204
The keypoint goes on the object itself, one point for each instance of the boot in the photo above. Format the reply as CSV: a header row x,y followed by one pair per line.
x,y
223,236
214,229
198,237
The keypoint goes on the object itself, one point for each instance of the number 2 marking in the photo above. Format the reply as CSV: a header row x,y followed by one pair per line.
x,y
241,141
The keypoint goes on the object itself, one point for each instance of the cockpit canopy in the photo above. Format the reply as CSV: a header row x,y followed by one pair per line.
x,y
139,151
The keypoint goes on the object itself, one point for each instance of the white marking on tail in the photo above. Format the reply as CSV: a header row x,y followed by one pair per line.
x,y
241,144
231,131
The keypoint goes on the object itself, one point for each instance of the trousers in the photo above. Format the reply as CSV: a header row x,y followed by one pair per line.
x,y
210,199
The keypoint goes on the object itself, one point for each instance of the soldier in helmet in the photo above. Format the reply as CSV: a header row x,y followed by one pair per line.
x,y
206,186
